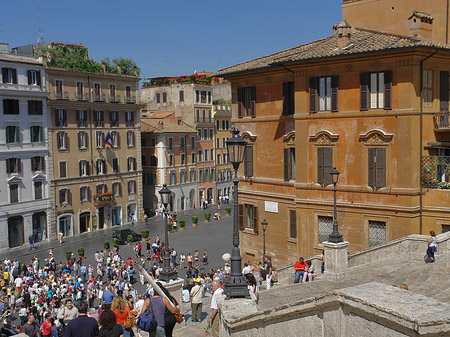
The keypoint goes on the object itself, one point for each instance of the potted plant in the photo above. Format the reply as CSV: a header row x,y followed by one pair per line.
x,y
182,224
129,239
169,227
145,233
228,211
116,242
68,255
195,220
106,245
207,217
80,251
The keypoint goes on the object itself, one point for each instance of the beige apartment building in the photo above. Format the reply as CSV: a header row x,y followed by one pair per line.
x,y
224,179
93,185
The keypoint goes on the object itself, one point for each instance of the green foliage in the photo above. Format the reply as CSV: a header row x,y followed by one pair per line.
x,y
195,219
169,226
80,251
115,242
207,216
145,233
68,255
228,210
106,244
130,238
182,223
222,101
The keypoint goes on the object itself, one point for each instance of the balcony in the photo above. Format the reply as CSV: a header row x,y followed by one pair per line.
x,y
62,95
103,199
130,99
114,99
82,97
441,121
99,98
436,172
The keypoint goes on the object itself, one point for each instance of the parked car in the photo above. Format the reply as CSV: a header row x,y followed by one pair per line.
x,y
122,235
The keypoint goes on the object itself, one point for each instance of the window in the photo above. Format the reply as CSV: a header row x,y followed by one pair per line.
x,y
288,98
192,175
38,190
158,97
131,187
377,168
113,118
248,217
60,118
207,175
218,159
172,178
115,138
98,93
63,169
323,94
12,135
248,162
80,90
203,96
209,97
227,125
197,96
153,160
289,164
9,75
224,142
164,97
13,165
14,193
183,159
62,140
376,90
81,116
130,138
170,143
115,165
11,106
377,233
84,168
153,142
35,107
182,143
206,154
324,165
246,101
217,143
200,175
200,155
443,91
34,77
225,158
325,227
129,118
84,193
211,154
218,125
112,91
101,188
171,160
427,88
219,175
205,134
36,134
292,224
144,160
193,157
64,196
193,143
116,188
181,96
98,118
213,174
58,88
204,116
199,134
131,164
211,134
209,116
182,176
445,228
99,139
101,166
37,164
197,112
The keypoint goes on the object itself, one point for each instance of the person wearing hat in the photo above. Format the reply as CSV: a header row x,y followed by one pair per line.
x,y
197,301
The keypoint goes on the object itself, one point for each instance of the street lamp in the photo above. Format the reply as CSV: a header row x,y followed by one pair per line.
x,y
167,273
236,283
335,237
264,227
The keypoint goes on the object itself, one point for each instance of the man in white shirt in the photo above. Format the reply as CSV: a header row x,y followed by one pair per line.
x,y
247,269
214,319
139,303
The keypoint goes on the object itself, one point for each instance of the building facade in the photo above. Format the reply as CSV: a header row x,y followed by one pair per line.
x,y
94,137
376,111
24,153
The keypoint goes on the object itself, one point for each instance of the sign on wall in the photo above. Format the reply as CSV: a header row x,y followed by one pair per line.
x,y
271,206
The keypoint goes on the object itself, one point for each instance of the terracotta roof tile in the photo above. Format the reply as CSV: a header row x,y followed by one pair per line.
x,y
154,125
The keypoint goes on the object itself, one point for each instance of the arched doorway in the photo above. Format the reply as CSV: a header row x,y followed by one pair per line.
x,y
65,225
131,212
15,231
40,226
191,198
116,215
85,219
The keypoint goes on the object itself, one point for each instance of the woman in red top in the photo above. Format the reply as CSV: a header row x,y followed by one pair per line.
x,y
120,308
46,327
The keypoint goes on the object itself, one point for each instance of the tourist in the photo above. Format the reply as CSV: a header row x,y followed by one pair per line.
x,y
252,286
68,313
108,297
82,326
109,326
431,249
169,318
268,272
322,267
31,242
182,259
310,272
213,318
46,326
205,257
196,296
299,267
29,328
122,311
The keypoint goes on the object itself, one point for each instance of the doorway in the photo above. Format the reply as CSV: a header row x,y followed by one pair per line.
x,y
84,222
39,226
101,217
65,225
15,231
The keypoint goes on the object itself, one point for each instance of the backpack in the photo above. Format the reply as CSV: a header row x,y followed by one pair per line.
x,y
147,321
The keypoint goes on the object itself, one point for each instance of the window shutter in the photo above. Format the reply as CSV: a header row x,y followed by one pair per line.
x,y
110,118
69,197
255,220
88,193
444,95
313,96
381,168
132,118
285,99
56,117
33,164
29,76
79,167
293,224
371,167
38,77
320,165
88,168
286,161
241,102
102,120
4,74
105,168
8,166
60,196
66,140
78,117
42,163
334,93
248,164
388,90
327,165
134,164
241,217
65,117
80,136
253,101
14,76
364,90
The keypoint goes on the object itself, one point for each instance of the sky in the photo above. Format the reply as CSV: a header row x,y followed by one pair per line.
x,y
171,37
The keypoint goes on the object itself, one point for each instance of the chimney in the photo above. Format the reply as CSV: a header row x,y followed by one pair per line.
x,y
421,25
161,125
342,31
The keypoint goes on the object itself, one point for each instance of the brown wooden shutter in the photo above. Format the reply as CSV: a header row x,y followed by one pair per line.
x,y
79,167
364,91
60,196
443,91
80,136
88,168
78,117
14,76
102,118
132,118
285,99
334,93
371,179
89,193
253,101
248,163
313,95
388,90
97,165
4,74
287,164
241,98
66,140
65,117
42,163
327,165
320,165
241,217
105,168
255,219
69,197
38,78
8,165
33,164
110,118
381,168
56,117
62,170
29,76
293,224
19,165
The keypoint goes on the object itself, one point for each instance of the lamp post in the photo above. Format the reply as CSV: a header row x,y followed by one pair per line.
x,y
167,273
335,237
236,283
264,227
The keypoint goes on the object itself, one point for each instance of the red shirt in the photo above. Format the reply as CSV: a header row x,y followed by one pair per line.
x,y
299,266
47,329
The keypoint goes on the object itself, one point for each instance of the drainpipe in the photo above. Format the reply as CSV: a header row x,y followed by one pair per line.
x,y
421,134
446,26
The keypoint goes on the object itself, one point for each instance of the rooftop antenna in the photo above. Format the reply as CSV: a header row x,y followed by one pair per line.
x,y
40,38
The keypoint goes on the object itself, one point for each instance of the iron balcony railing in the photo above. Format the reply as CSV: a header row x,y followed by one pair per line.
x,y
99,98
61,95
82,97
114,99
441,121
435,172
130,99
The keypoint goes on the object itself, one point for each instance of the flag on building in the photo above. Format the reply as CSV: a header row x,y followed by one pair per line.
x,y
108,140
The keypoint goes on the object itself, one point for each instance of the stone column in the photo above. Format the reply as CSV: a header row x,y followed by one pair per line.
x,y
175,288
336,261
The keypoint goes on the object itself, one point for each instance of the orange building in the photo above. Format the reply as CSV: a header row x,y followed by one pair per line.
x,y
372,104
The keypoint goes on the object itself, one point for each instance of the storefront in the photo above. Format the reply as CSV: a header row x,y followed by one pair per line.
x,y
131,212
85,219
116,215
39,226
15,231
65,223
